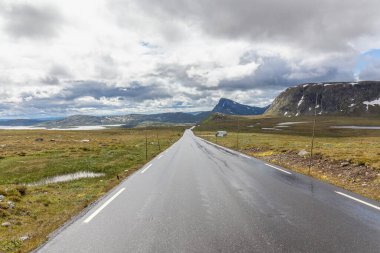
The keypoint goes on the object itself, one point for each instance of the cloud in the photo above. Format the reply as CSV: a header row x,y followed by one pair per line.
x,y
59,70
90,97
114,56
318,25
133,92
51,80
32,22
275,72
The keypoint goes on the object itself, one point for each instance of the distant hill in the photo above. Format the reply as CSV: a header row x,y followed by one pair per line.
x,y
20,122
130,120
333,98
227,106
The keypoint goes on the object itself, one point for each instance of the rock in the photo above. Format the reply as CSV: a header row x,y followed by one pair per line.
x,y
344,164
11,204
303,153
6,224
3,145
24,238
2,197
85,141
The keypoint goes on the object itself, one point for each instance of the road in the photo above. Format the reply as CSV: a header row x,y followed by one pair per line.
x,y
198,197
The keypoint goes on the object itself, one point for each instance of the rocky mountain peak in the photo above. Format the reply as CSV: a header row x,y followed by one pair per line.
x,y
329,98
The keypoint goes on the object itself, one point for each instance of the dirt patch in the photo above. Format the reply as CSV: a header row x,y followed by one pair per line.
x,y
357,178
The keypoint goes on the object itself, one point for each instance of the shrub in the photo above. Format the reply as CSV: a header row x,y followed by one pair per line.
x,y
4,213
22,189
3,192
15,198
12,192
3,206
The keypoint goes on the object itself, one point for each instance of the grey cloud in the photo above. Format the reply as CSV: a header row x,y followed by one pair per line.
x,y
34,22
135,91
67,101
59,71
106,68
273,73
277,73
50,80
323,25
153,20
176,73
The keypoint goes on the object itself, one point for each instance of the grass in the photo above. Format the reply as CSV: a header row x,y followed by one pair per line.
x,y
356,150
262,124
39,210
257,136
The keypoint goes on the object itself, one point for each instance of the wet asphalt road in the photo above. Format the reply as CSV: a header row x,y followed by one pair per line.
x,y
197,197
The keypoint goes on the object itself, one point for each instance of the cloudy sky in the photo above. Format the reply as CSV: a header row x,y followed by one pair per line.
x,y
120,56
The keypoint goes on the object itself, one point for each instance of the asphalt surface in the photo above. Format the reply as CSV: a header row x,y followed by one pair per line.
x,y
198,197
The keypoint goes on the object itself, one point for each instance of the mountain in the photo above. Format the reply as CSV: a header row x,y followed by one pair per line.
x,y
130,120
333,98
20,122
227,106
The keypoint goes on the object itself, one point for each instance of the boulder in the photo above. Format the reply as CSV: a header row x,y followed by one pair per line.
x,y
303,152
11,205
6,224
24,238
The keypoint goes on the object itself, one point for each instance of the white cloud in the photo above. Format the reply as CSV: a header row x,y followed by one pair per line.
x,y
183,54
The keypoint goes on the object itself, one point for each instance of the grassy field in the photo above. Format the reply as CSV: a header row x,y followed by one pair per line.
x,y
32,212
349,158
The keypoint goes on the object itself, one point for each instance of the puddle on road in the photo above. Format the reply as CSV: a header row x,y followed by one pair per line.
x,y
67,177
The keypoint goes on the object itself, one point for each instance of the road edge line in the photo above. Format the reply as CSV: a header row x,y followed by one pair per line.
x,y
89,218
274,167
147,167
358,200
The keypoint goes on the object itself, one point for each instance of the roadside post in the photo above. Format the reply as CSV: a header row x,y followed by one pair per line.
x,y
158,142
237,133
313,133
146,144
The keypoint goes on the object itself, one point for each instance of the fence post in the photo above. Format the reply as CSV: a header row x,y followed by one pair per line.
x,y
313,134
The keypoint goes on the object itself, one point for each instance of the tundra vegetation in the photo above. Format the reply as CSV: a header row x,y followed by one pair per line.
x,y
348,157
30,211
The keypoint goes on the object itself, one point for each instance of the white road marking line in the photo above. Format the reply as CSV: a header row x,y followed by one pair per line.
x,y
358,200
158,158
274,167
245,156
143,171
103,206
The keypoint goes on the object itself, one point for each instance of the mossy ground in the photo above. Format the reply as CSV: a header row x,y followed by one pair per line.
x,y
39,210
257,136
